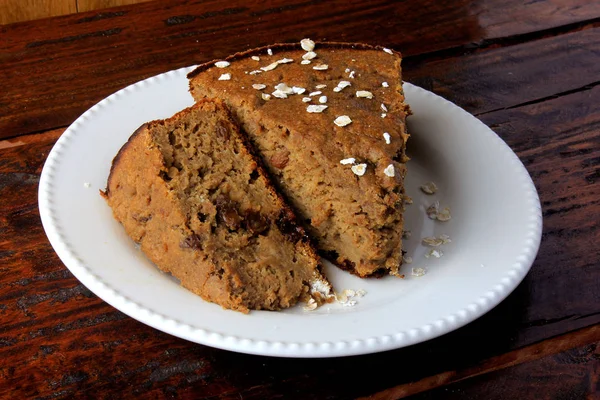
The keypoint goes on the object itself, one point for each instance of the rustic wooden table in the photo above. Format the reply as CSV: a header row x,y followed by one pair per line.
x,y
529,70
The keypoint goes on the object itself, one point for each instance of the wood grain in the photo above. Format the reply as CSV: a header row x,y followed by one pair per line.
x,y
89,5
528,69
501,19
515,75
53,77
49,313
25,10
574,360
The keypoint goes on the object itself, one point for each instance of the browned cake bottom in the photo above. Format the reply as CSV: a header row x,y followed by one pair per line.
x,y
191,193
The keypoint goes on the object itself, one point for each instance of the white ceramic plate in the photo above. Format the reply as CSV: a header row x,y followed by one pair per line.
x,y
495,231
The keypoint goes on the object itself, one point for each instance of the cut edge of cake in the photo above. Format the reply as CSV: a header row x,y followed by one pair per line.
x,y
317,289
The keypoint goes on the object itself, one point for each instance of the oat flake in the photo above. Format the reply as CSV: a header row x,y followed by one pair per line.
x,y
309,56
315,93
364,93
256,58
258,71
321,67
432,241
385,84
359,169
346,161
445,238
310,305
225,77
432,210
270,52
279,94
434,253
282,87
306,99
342,120
270,67
314,108
383,107
259,86
305,62
429,188
320,86
389,171
351,74
340,297
307,44
298,90
323,99
222,64
285,61
383,115
388,51
387,138
266,96
444,215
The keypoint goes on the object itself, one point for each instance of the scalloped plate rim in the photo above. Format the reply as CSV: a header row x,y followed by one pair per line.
x,y
358,346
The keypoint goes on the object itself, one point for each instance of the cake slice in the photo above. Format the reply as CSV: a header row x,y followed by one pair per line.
x,y
329,122
189,190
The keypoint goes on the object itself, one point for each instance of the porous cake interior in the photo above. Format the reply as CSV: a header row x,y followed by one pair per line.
x,y
238,244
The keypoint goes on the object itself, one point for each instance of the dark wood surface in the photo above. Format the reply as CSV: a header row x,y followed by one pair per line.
x,y
529,70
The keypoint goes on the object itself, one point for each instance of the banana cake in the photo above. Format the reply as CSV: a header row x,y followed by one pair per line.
x,y
329,121
191,192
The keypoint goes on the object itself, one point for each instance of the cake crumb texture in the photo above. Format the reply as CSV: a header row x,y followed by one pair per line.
x,y
189,190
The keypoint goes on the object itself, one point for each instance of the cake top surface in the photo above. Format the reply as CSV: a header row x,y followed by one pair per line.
x,y
342,99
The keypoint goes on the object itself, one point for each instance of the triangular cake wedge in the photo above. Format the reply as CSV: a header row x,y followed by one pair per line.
x,y
189,190
329,121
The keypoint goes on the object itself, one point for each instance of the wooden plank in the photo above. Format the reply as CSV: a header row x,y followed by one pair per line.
x,y
52,323
26,10
499,20
89,5
53,70
511,76
569,364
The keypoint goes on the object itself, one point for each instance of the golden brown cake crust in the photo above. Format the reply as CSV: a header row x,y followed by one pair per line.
x,y
189,190
355,218
279,47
